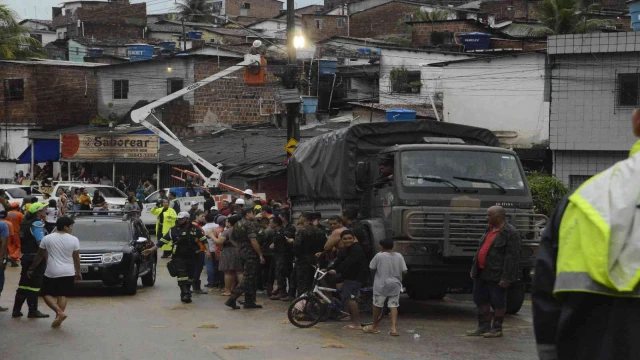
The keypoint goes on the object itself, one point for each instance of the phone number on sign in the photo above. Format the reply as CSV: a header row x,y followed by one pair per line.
x,y
140,155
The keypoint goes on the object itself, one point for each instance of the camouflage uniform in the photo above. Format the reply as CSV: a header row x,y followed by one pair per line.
x,y
290,232
243,231
283,258
309,241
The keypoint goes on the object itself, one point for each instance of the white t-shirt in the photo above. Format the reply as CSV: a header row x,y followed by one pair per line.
x,y
389,268
60,247
206,228
52,215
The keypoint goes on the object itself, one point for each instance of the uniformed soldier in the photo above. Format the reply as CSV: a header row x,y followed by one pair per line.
x,y
289,231
31,233
186,240
282,257
309,241
350,220
244,233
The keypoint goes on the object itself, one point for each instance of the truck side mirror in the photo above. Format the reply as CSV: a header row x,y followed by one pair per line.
x,y
362,173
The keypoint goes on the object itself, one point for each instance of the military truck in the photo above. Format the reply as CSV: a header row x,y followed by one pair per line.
x,y
426,185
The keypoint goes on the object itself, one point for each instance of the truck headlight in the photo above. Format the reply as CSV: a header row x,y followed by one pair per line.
x,y
111,258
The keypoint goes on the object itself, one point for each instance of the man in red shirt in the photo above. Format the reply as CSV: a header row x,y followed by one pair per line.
x,y
495,267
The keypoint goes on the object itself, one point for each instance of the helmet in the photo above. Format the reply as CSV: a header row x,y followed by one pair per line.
x,y
240,202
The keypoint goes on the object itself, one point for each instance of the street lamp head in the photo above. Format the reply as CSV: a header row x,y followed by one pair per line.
x,y
298,42
257,43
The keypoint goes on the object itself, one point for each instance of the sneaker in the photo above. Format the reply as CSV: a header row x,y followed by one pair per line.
x,y
494,333
37,315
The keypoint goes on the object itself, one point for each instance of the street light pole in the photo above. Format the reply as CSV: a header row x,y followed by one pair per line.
x,y
293,120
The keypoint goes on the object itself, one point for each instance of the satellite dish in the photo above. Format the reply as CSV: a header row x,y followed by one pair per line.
x,y
257,43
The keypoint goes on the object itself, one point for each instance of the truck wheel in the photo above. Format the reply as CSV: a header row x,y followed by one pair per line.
x,y
515,297
130,282
150,278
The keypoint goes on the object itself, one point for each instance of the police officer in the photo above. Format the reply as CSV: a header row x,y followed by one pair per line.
x,y
244,233
586,290
31,233
166,219
309,241
186,239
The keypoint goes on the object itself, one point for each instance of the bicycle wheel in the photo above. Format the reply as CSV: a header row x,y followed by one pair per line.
x,y
306,311
365,301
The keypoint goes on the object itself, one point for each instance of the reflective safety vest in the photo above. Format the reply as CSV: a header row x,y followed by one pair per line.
x,y
599,236
635,148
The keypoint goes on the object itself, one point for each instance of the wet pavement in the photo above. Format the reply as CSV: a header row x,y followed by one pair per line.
x,y
104,324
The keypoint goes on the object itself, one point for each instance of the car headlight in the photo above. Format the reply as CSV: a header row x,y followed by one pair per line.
x,y
111,258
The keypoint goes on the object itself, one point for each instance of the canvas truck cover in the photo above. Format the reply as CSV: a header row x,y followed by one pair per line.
x,y
324,167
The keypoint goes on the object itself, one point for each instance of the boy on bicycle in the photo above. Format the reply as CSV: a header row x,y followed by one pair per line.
x,y
389,267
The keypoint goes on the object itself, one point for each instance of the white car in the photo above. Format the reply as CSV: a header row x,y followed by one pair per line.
x,y
17,193
112,195
149,202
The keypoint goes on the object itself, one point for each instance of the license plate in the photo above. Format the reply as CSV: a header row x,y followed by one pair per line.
x,y
84,269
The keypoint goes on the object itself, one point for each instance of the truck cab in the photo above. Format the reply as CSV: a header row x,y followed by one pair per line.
x,y
432,201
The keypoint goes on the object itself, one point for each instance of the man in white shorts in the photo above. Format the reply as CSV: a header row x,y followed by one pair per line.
x,y
389,267
61,251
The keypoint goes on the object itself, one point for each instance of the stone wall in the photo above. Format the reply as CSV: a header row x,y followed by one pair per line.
x,y
421,31
332,25
386,19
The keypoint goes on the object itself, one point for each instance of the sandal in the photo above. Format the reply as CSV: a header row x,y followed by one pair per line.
x,y
226,294
369,330
393,333
351,327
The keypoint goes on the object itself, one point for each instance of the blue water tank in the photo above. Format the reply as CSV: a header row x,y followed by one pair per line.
x,y
167,45
95,52
194,35
309,104
634,10
138,52
475,41
401,115
327,67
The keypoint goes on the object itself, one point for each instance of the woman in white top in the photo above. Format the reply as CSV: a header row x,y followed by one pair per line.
x,y
52,216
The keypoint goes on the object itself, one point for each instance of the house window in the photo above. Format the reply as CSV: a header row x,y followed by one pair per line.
x,y
246,6
14,89
628,89
576,180
402,79
77,51
120,89
318,24
408,17
174,85
216,7
340,23
278,26
37,37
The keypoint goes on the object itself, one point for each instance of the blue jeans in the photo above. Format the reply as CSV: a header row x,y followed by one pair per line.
x,y
211,269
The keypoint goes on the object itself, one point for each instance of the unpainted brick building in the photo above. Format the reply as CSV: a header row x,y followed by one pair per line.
x,y
381,20
263,9
421,32
47,95
114,19
321,27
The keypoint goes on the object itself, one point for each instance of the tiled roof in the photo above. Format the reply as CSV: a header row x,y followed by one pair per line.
x,y
167,27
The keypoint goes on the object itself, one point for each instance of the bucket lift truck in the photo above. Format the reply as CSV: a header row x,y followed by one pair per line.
x,y
250,64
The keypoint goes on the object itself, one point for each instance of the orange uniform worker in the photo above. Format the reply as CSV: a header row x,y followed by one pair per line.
x,y
15,217
14,238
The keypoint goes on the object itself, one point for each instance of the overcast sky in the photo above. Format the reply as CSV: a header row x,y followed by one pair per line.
x,y
41,9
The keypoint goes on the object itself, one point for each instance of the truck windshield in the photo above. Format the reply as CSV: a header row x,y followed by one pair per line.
x,y
464,169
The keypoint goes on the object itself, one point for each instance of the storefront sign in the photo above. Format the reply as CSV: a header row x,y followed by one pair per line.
x,y
100,146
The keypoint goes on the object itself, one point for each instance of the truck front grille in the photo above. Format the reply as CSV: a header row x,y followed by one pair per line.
x,y
437,226
90,259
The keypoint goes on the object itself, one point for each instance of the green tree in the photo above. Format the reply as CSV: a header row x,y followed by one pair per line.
x,y
16,43
196,10
546,191
565,17
434,15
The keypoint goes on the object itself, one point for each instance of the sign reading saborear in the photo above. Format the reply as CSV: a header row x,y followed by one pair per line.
x,y
101,146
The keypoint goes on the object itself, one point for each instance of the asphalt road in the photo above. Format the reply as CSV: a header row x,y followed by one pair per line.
x,y
103,324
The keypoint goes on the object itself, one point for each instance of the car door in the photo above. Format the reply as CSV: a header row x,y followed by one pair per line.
x,y
139,231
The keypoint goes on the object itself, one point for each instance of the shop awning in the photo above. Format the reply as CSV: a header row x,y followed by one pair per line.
x,y
45,150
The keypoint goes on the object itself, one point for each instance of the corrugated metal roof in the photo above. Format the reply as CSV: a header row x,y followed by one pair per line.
x,y
47,62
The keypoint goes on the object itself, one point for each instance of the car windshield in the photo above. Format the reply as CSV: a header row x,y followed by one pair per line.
x,y
106,191
101,231
18,193
464,169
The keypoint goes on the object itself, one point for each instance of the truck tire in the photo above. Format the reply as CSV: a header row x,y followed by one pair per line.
x,y
427,293
130,282
515,297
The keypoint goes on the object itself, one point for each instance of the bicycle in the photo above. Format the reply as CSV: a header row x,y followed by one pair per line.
x,y
314,306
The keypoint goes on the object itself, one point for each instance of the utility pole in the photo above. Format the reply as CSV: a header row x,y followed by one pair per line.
x,y
293,110
184,36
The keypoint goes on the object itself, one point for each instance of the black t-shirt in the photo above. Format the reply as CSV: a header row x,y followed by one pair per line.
x,y
208,204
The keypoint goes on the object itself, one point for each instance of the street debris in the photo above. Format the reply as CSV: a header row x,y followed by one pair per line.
x,y
157,326
236,347
333,346
208,326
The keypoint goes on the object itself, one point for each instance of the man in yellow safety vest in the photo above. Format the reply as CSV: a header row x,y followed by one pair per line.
x,y
166,219
586,289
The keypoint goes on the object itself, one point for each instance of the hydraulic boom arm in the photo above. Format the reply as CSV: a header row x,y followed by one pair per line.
x,y
140,115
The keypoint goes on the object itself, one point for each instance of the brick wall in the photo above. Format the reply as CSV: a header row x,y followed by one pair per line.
x,y
387,19
518,44
501,11
230,101
332,25
257,9
421,32
53,95
113,19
